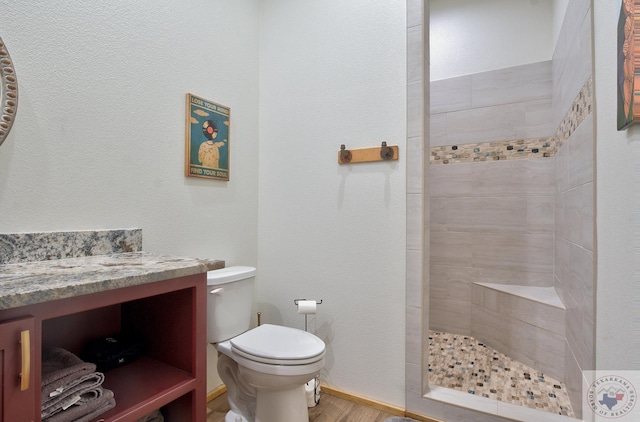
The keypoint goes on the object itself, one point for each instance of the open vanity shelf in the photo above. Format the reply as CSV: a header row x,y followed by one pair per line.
x,y
168,316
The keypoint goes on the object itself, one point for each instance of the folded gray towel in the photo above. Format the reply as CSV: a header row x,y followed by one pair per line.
x,y
61,367
155,416
86,411
74,388
76,395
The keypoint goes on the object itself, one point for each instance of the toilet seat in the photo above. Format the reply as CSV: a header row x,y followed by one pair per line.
x,y
278,345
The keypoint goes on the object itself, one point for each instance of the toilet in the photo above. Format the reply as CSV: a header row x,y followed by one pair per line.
x,y
265,368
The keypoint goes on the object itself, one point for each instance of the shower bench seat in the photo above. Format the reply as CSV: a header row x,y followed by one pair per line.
x,y
524,322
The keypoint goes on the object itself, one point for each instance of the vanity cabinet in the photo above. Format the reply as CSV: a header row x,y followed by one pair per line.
x,y
17,401
167,316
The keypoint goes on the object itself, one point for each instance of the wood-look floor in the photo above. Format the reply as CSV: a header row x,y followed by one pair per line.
x,y
330,409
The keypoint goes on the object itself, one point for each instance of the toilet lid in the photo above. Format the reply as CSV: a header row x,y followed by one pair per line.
x,y
277,344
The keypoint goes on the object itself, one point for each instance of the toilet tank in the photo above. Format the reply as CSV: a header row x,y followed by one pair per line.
x,y
229,302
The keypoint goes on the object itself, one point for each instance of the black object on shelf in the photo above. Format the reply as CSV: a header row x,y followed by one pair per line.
x,y
112,352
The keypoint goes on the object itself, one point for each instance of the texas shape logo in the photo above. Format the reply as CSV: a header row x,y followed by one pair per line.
x,y
611,396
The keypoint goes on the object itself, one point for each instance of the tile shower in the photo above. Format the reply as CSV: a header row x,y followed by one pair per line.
x,y
511,219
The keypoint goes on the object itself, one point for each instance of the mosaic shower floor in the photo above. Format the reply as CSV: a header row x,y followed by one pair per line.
x,y
465,364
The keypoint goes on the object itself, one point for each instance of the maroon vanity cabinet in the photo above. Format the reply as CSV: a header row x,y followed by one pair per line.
x,y
167,316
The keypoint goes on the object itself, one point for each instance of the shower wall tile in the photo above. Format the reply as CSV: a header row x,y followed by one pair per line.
x,y
562,162
578,68
558,193
541,146
417,207
578,9
538,119
413,380
496,123
414,13
559,62
493,214
452,94
415,109
578,215
414,54
455,413
414,278
579,278
415,221
572,56
540,214
447,181
560,291
519,177
512,85
451,283
507,305
438,130
588,342
413,335
498,105
579,335
524,252
530,345
453,214
415,401
490,222
473,402
451,316
506,276
438,214
573,382
480,214
450,248
574,160
580,149
560,229
574,205
562,268
415,171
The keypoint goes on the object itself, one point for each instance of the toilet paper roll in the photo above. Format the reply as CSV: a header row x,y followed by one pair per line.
x,y
306,307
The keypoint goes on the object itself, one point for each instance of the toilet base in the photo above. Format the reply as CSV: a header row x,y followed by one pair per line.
x,y
232,416
277,406
287,405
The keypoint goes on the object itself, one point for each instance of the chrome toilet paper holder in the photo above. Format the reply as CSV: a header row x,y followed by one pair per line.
x,y
295,301
298,300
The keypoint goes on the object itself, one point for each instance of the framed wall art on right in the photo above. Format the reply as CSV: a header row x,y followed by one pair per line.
x,y
628,64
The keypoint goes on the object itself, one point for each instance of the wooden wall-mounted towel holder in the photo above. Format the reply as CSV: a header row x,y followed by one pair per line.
x,y
365,155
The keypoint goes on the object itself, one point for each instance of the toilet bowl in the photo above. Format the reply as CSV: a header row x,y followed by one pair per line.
x,y
264,368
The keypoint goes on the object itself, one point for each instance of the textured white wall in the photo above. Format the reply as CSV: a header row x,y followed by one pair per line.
x,y
334,72
617,205
471,36
559,11
98,140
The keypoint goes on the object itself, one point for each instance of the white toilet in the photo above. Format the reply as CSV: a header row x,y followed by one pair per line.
x,y
264,368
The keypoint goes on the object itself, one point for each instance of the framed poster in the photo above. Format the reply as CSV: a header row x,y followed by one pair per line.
x,y
207,141
628,66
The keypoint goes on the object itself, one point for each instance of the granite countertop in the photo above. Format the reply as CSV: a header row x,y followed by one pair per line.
x,y
27,283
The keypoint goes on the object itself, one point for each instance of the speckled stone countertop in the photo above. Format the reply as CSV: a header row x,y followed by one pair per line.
x,y
26,283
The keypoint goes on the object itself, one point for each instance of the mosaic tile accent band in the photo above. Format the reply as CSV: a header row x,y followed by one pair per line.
x,y
520,148
465,364
43,246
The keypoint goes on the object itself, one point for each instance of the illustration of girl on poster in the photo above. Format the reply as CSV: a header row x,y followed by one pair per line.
x,y
207,143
